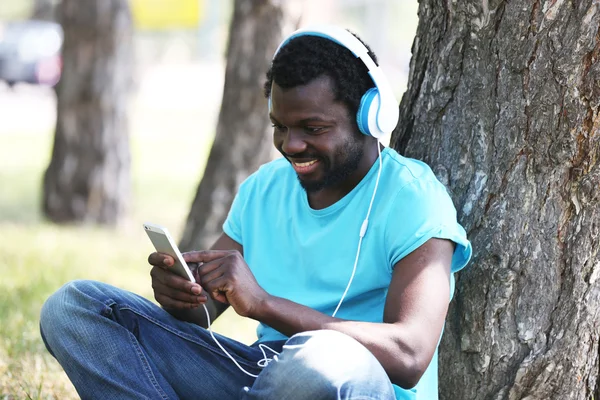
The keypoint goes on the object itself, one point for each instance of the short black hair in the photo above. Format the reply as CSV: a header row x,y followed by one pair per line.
x,y
305,58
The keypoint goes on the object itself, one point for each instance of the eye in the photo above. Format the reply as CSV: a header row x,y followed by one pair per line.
x,y
314,130
278,128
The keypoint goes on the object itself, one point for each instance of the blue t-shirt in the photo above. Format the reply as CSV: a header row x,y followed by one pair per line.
x,y
306,255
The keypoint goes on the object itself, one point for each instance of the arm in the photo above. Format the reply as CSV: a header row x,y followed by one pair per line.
x,y
414,313
182,298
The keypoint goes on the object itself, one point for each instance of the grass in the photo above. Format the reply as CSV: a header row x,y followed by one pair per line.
x,y
37,257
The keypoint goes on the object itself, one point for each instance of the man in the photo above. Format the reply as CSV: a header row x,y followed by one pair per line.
x,y
349,307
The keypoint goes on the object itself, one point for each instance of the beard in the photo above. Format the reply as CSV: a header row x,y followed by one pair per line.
x,y
351,152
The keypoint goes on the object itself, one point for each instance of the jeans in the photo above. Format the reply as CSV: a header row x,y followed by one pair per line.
x,y
114,344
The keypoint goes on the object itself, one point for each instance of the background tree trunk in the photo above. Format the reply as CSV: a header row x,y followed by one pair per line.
x,y
242,141
88,179
503,103
44,10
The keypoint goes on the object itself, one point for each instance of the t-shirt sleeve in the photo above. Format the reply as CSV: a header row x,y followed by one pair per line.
x,y
423,210
233,226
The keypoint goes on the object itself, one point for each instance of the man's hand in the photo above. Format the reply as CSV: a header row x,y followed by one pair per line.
x,y
170,290
225,276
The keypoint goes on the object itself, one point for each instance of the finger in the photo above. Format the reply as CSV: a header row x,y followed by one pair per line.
x,y
169,303
211,275
208,267
166,292
217,289
174,281
205,256
160,260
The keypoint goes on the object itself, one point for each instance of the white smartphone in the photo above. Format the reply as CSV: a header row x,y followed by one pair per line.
x,y
164,243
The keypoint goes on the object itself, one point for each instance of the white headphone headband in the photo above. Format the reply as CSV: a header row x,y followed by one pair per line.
x,y
388,112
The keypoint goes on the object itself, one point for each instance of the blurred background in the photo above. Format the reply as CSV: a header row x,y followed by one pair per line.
x,y
165,111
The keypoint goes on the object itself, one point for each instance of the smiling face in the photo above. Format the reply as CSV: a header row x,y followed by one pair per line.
x,y
316,134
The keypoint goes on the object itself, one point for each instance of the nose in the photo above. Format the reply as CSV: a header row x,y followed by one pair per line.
x,y
293,142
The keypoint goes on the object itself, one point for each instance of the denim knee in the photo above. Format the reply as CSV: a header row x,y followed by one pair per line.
x,y
59,313
323,364
332,357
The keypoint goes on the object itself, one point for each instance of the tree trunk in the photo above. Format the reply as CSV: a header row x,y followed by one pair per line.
x,y
242,141
503,102
44,10
88,179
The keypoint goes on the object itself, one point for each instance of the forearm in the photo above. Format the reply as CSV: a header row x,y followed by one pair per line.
x,y
392,345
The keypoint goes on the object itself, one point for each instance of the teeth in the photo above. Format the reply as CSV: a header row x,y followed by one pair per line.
x,y
305,164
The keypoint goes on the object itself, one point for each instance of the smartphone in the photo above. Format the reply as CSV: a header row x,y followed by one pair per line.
x,y
164,243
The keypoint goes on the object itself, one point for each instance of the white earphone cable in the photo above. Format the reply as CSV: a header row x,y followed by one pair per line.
x,y
363,230
261,363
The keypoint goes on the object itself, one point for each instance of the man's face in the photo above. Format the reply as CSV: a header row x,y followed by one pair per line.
x,y
315,134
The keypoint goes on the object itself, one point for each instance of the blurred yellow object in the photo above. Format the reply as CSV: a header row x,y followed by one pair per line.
x,y
167,14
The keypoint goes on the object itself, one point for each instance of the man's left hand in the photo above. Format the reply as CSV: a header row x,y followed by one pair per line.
x,y
225,276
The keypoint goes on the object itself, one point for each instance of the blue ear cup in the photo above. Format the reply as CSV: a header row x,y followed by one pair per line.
x,y
365,108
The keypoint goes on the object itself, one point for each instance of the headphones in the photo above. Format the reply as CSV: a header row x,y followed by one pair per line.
x,y
378,111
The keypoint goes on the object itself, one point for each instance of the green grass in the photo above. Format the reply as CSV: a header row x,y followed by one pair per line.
x,y
37,257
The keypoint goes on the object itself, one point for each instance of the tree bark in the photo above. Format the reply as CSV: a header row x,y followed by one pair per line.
x,y
88,179
242,141
503,102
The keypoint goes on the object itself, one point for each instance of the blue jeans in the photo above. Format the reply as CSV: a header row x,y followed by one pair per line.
x,y
114,344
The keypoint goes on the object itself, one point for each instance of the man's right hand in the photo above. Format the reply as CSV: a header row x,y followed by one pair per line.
x,y
170,290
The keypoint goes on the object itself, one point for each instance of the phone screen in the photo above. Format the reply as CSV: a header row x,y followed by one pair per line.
x,y
163,244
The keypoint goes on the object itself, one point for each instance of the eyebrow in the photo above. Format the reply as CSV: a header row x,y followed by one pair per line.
x,y
306,120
